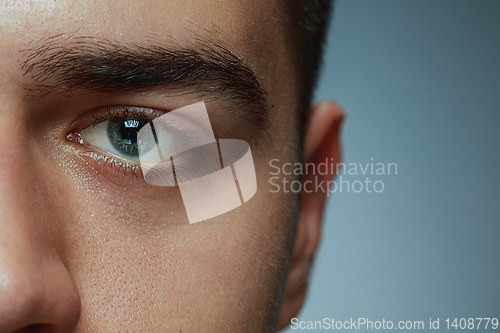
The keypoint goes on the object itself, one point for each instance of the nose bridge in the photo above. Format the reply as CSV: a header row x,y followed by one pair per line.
x,y
18,182
37,293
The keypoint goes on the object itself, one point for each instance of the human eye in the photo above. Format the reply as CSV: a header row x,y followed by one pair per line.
x,y
117,137
113,143
108,139
109,136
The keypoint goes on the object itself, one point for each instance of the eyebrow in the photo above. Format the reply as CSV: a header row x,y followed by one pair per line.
x,y
208,69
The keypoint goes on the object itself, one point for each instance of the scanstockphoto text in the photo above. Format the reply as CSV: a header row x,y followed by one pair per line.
x,y
360,177
464,323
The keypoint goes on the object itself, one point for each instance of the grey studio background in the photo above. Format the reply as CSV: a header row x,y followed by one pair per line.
x,y
420,84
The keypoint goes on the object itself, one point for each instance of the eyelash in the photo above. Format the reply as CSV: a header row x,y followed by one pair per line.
x,y
121,113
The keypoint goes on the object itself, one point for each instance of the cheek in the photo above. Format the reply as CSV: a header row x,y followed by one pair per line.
x,y
135,264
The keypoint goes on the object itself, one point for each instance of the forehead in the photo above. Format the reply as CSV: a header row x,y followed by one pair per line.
x,y
246,27
252,30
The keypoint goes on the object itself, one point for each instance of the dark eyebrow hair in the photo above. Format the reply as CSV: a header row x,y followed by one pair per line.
x,y
208,69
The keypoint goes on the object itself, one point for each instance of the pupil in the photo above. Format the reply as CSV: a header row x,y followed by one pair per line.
x,y
129,130
122,133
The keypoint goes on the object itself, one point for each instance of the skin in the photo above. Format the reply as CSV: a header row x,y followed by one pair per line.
x,y
84,248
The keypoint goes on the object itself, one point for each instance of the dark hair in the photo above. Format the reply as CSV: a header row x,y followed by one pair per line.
x,y
308,21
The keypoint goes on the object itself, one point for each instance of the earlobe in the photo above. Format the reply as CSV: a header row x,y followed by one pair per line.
x,y
322,143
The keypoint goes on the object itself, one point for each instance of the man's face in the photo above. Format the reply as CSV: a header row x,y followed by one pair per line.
x,y
85,242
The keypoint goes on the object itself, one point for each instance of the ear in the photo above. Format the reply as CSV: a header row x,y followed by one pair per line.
x,y
322,143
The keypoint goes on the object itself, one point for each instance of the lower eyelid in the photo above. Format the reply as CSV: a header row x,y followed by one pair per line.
x,y
85,148
107,164
129,177
129,182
